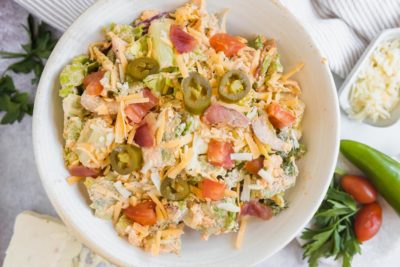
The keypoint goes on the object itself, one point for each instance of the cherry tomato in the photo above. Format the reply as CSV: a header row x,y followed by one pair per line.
x,y
253,166
143,213
279,117
212,190
359,188
92,84
226,43
219,154
368,221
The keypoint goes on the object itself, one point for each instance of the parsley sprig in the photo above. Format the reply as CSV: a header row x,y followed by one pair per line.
x,y
14,103
332,233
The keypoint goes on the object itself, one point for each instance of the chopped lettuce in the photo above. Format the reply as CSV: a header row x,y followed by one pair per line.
x,y
98,135
122,224
137,48
72,129
70,157
72,106
257,43
72,75
274,67
159,83
162,47
127,32
103,195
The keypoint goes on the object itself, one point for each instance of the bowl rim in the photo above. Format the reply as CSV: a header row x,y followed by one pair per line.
x,y
75,229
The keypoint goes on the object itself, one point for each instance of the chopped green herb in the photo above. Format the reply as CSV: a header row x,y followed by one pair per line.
x,y
14,103
332,233
257,43
36,51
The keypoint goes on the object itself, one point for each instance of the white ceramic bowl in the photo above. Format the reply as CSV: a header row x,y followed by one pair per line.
x,y
262,239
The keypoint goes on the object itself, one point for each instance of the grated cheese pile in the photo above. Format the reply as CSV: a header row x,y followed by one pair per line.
x,y
376,91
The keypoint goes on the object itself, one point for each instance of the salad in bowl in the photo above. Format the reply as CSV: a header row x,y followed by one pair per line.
x,y
172,122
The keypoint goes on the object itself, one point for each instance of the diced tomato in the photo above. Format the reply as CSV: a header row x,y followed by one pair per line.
x,y
143,213
136,112
182,41
226,43
255,208
82,171
212,190
279,117
253,166
219,154
92,84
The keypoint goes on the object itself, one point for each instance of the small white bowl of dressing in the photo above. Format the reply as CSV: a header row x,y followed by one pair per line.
x,y
354,87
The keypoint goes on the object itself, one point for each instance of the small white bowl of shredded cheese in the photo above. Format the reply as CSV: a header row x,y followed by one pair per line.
x,y
371,92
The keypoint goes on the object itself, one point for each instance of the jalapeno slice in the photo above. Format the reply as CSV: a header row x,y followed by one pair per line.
x,y
142,67
196,93
234,86
125,159
174,189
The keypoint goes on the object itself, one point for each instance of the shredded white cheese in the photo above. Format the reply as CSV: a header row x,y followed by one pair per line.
x,y
376,92
245,196
242,156
155,178
266,175
228,207
125,193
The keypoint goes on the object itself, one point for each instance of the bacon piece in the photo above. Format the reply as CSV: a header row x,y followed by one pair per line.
x,y
145,134
182,41
83,171
92,84
219,154
255,208
136,112
217,114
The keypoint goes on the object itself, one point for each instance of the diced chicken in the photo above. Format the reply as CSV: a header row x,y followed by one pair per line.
x,y
266,134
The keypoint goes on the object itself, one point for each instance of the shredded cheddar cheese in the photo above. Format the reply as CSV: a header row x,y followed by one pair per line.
x,y
158,203
175,170
74,179
292,72
240,234
184,140
252,145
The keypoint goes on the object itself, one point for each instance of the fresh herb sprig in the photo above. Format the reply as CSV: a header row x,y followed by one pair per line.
x,y
14,103
332,233
41,42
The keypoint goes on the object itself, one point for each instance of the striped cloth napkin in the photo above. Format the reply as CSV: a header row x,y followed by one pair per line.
x,y
341,28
